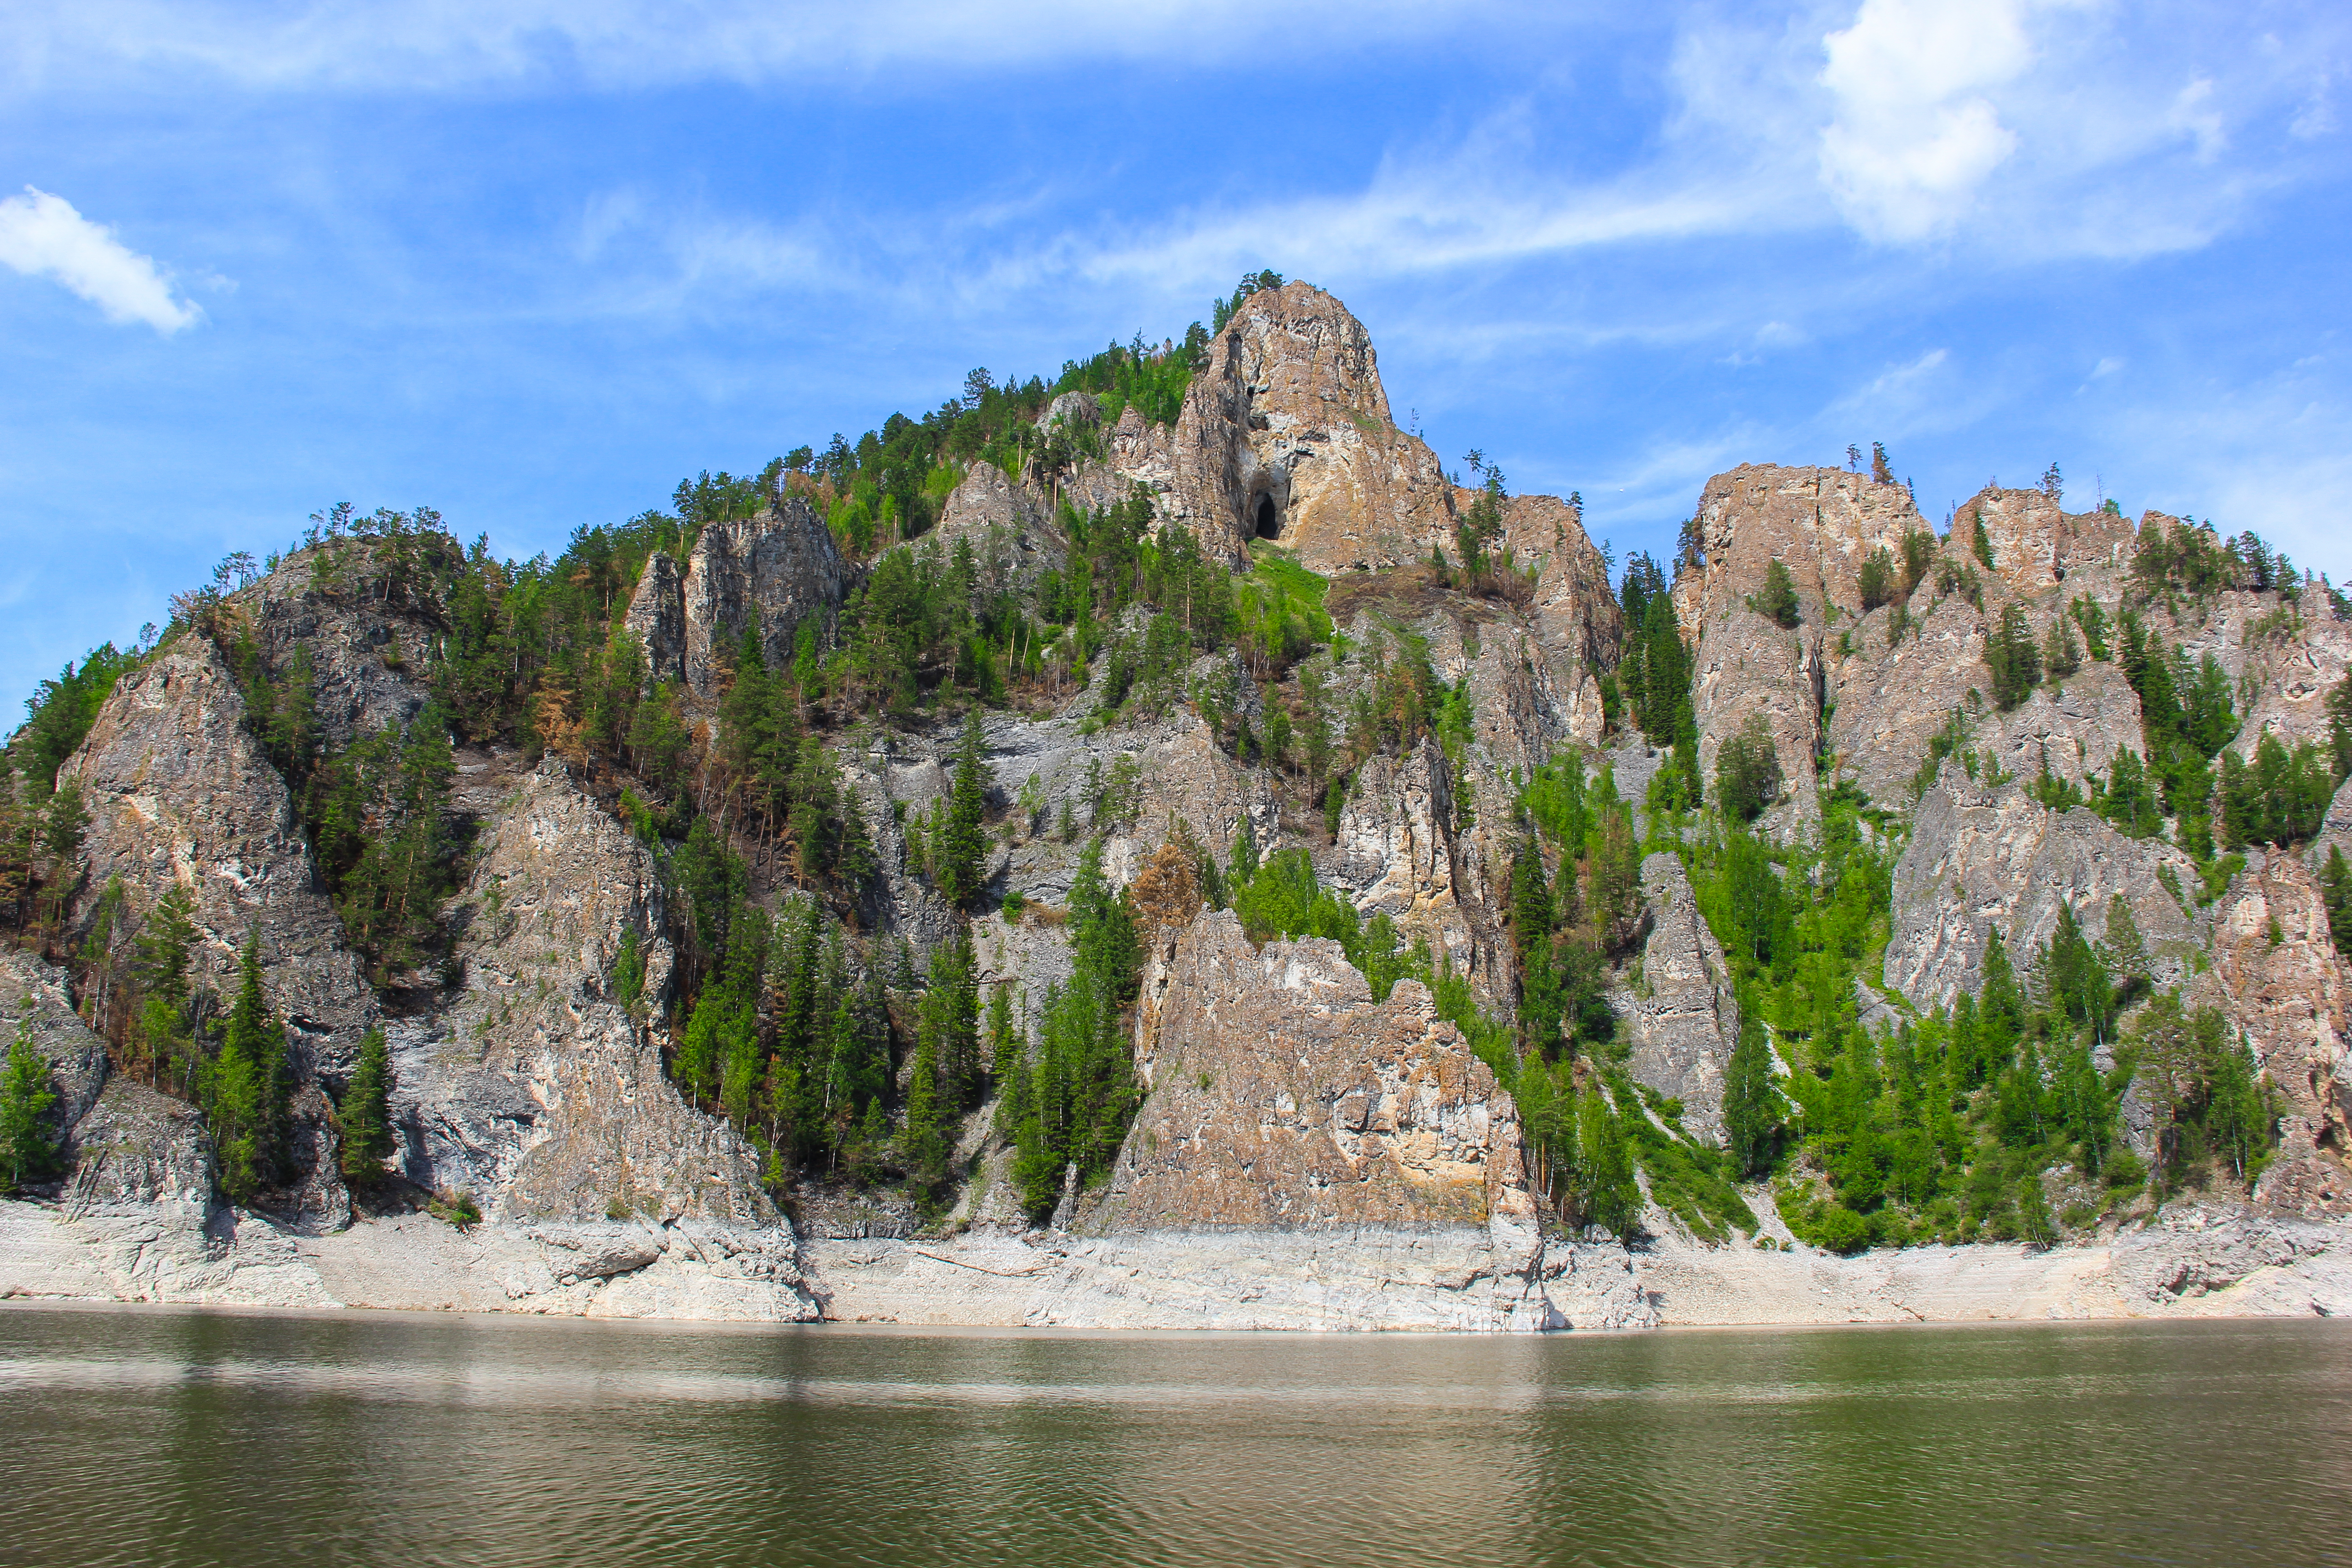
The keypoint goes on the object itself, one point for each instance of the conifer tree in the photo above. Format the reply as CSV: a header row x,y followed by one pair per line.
x,y
962,848
1604,1167
366,1110
1003,1041
248,1087
2013,657
923,1143
2002,1006
2336,886
28,1153
1531,907
1777,602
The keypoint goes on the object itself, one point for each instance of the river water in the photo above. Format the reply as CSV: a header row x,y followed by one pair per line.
x,y
154,1436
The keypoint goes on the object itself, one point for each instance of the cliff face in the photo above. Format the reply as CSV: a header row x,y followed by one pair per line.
x,y
1281,1095
1282,1099
769,574
1983,859
1303,1156
1681,1017
534,1088
2277,978
179,792
1287,435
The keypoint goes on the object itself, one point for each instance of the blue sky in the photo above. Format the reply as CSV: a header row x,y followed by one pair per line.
x,y
530,261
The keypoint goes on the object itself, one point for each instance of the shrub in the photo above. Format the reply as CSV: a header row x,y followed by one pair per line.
x,y
1842,1230
1878,579
1777,602
2014,658
1748,771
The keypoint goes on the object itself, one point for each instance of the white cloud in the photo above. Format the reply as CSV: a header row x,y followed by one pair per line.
x,y
1913,135
43,235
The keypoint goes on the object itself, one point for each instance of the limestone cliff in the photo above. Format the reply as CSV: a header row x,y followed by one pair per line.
x,y
1302,1156
1281,1097
1984,858
768,573
1682,1016
2278,979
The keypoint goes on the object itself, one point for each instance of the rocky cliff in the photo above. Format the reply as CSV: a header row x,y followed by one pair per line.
x,y
1289,1151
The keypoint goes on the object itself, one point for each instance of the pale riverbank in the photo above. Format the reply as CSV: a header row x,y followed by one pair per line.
x,y
2192,1263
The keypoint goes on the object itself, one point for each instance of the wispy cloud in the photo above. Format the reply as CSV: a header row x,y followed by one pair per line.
x,y
469,44
42,235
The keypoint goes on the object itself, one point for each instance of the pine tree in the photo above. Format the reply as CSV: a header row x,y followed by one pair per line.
x,y
951,1022
2002,1006
961,846
1003,1040
1532,906
2014,658
1777,602
2125,951
923,1143
366,1111
28,1153
248,1087
2335,885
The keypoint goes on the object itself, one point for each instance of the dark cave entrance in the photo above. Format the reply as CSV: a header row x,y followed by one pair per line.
x,y
1267,523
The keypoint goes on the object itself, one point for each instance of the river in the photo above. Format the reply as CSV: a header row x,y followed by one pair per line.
x,y
163,1436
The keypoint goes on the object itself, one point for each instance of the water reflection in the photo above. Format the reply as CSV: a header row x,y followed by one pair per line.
x,y
153,1435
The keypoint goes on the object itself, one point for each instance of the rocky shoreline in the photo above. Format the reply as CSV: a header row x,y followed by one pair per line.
x,y
2193,1262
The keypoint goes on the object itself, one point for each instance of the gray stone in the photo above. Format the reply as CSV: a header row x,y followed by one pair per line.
x,y
1682,1019
1982,860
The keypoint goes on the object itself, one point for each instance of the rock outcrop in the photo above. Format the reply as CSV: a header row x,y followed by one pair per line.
x,y
2037,544
535,1089
346,609
1682,1019
1821,523
1007,531
769,574
1751,667
1287,435
178,791
1985,858
1283,1098
2277,978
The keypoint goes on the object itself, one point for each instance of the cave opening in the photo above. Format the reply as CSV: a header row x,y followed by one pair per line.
x,y
1268,524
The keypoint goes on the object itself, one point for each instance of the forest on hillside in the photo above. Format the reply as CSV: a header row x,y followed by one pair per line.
x,y
843,1053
